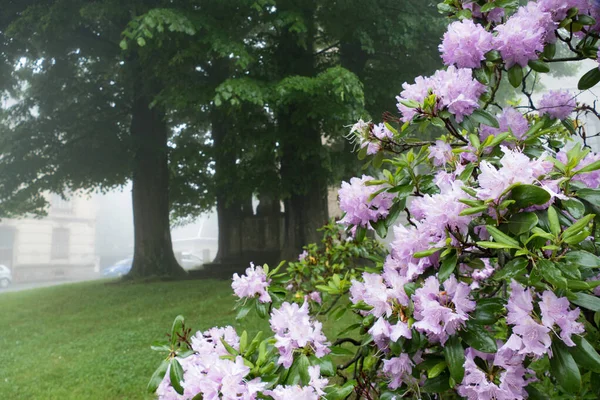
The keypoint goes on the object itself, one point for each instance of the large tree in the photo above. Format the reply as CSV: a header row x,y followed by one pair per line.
x,y
89,113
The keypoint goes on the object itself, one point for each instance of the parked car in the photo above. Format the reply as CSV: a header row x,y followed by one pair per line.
x,y
119,269
5,277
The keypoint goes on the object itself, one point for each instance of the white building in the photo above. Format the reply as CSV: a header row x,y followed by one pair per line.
x,y
58,246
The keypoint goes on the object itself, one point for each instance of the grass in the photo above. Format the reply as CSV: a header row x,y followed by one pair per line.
x,y
92,340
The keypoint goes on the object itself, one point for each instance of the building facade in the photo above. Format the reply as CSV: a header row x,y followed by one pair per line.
x,y
56,247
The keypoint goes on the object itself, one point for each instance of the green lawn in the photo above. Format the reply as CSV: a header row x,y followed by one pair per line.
x,y
92,340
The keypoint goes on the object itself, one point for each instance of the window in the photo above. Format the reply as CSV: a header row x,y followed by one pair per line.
x,y
60,243
61,205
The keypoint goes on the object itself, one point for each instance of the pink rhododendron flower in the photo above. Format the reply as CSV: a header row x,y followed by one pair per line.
x,y
510,120
294,329
557,104
254,283
516,168
441,313
398,370
440,153
355,202
534,337
524,35
558,311
512,376
455,88
465,44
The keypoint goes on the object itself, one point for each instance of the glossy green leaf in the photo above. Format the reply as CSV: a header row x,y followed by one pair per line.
x,y
564,369
514,268
455,358
485,118
587,301
479,338
515,76
585,354
529,195
176,375
158,376
447,267
589,80
583,259
522,223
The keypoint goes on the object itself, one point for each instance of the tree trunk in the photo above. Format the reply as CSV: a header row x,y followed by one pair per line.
x,y
302,170
229,213
153,249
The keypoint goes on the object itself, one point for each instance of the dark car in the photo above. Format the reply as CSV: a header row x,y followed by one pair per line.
x,y
119,269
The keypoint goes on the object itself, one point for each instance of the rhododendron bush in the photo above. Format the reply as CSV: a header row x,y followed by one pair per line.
x,y
488,287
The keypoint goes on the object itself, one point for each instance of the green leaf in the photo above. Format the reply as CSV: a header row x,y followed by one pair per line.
x,y
583,259
535,394
455,358
574,207
339,393
578,226
501,237
436,370
158,376
592,196
123,44
552,274
426,253
589,80
325,363
515,76
589,168
378,160
585,354
438,384
496,245
474,210
587,301
514,268
553,221
529,195
447,267
488,310
244,310
176,375
262,309
479,338
341,351
303,365
522,223
539,66
176,328
564,369
485,118
141,42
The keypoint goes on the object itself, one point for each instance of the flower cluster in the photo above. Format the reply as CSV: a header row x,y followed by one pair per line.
x,y
253,284
524,35
508,378
532,337
207,373
465,44
511,121
455,89
557,104
515,168
357,201
442,313
294,329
